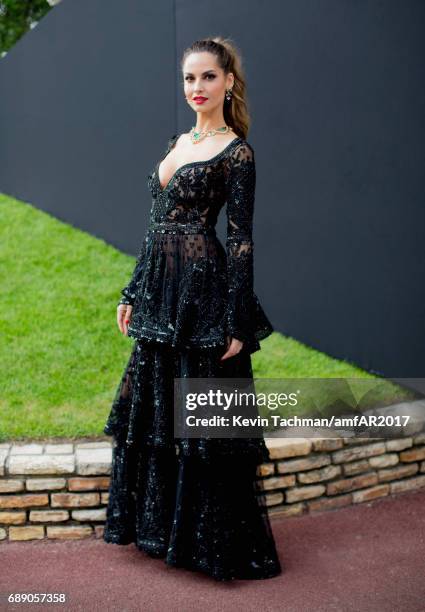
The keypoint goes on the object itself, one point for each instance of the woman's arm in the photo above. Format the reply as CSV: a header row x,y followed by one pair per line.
x,y
129,291
240,195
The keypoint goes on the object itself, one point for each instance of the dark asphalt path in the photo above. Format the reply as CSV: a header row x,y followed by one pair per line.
x,y
364,558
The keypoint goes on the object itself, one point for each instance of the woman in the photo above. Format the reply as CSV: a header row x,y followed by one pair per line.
x,y
190,306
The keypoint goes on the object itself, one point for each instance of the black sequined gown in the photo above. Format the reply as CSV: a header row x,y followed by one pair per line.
x,y
194,502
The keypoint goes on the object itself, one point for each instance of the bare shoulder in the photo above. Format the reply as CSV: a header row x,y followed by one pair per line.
x,y
184,137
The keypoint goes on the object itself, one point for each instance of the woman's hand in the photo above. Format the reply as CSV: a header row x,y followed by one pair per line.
x,y
233,347
124,317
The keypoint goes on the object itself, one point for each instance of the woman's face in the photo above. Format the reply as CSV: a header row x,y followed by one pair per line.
x,y
204,78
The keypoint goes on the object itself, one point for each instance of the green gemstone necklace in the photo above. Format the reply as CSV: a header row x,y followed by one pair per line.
x,y
198,135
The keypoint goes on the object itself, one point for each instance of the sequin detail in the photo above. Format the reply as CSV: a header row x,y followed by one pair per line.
x,y
186,289
196,503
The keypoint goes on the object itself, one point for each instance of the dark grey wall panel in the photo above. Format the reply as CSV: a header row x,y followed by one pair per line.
x,y
338,99
90,97
87,103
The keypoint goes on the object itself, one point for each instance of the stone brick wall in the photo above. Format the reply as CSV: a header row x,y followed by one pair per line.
x,y
60,491
314,474
57,491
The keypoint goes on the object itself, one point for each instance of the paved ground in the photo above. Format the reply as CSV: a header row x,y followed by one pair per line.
x,y
368,557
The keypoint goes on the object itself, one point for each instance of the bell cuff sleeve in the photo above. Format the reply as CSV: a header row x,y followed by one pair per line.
x,y
240,196
130,290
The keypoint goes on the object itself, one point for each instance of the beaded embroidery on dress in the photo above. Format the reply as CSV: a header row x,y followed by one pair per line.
x,y
185,289
197,503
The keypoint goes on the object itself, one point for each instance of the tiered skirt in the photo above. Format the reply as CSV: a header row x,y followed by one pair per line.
x,y
195,503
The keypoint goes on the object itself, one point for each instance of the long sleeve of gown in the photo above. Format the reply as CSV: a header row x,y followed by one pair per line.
x,y
239,244
129,291
245,317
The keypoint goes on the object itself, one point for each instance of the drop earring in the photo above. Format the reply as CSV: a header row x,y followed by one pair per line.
x,y
228,94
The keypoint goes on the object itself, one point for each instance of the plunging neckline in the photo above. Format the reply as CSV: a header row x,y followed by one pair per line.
x,y
193,163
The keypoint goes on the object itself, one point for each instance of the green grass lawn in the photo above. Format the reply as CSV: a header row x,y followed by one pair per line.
x,y
62,354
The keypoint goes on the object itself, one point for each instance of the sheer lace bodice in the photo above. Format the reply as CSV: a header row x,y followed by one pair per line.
x,y
186,288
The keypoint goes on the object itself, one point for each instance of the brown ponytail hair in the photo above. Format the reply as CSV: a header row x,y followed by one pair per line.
x,y
235,110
